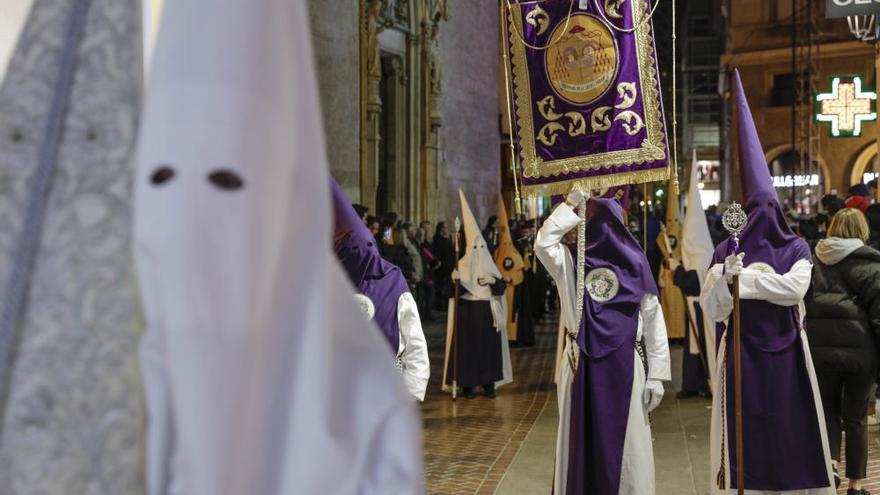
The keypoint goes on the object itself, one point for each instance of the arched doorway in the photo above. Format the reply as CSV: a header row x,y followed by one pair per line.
x,y
866,166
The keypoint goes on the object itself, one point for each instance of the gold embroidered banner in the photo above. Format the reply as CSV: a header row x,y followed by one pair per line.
x,y
584,94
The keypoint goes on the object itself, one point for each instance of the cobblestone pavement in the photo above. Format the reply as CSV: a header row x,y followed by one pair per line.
x,y
469,444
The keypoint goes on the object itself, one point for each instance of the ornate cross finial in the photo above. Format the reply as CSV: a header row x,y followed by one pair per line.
x,y
735,220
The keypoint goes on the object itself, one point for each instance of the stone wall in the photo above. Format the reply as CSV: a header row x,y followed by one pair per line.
x,y
336,45
470,134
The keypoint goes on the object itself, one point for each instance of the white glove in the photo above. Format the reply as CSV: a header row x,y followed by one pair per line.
x,y
575,197
674,264
733,266
653,394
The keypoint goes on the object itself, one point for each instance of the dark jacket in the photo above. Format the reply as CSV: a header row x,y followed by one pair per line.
x,y
843,315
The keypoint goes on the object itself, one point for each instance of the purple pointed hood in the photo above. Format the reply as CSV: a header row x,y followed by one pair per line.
x,y
608,324
372,276
767,239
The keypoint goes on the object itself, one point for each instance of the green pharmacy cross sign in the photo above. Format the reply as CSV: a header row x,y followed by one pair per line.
x,y
846,106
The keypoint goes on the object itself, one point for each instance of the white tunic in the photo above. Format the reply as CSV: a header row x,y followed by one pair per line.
x,y
637,471
758,283
413,350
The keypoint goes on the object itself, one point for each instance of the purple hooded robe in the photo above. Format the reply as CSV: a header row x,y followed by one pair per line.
x,y
375,278
603,382
783,446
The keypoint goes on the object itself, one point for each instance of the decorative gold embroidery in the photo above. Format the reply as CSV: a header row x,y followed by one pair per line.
x,y
583,64
627,117
578,124
600,182
612,8
628,93
547,134
652,149
600,120
547,108
540,19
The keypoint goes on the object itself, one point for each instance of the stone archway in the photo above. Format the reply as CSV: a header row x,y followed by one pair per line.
x,y
778,151
865,160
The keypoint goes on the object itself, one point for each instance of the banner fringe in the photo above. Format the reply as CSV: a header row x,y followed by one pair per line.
x,y
597,182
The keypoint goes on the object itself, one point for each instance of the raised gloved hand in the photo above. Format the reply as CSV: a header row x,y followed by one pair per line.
x,y
653,394
733,266
575,197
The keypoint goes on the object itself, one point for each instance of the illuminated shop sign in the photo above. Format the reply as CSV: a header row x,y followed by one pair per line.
x,y
782,181
845,8
846,106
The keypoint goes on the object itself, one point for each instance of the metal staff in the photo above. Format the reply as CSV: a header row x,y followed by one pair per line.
x,y
455,308
734,221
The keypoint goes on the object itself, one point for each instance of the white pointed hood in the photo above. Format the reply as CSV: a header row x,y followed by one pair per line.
x,y
697,249
248,324
477,262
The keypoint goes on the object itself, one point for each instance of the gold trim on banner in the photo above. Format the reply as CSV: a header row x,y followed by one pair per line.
x,y
652,149
597,182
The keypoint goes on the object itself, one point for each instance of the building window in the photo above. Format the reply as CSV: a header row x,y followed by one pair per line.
x,y
706,52
783,92
704,111
701,27
702,83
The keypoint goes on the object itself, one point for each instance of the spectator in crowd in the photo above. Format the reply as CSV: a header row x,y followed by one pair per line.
x,y
430,264
373,225
872,215
444,250
405,235
392,249
426,227
843,322
872,189
490,234
808,229
834,205
858,197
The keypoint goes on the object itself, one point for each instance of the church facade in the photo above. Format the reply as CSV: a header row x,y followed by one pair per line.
x,y
410,92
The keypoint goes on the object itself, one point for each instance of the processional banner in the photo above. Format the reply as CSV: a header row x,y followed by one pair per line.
x,y
584,94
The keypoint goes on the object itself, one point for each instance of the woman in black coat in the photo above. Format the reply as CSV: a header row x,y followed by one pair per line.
x,y
843,325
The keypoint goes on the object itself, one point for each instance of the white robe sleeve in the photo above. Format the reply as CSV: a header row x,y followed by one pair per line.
x,y
715,298
413,347
787,289
656,341
160,429
557,259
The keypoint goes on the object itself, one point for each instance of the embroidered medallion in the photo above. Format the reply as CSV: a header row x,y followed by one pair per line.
x,y
602,284
583,64
365,304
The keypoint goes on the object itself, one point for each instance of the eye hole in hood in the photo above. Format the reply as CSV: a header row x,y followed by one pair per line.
x,y
162,175
226,180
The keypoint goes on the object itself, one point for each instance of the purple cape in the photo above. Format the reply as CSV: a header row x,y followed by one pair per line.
x,y
782,441
604,379
375,278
